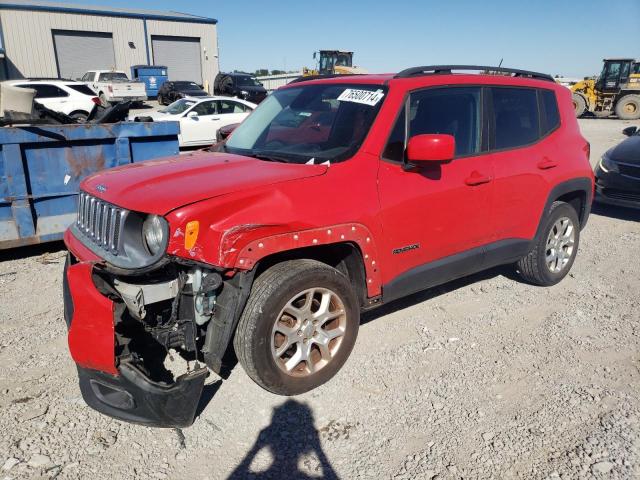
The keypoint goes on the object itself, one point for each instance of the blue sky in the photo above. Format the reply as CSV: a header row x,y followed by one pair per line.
x,y
557,37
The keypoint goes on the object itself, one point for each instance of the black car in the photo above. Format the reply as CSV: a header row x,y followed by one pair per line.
x,y
240,85
169,92
618,172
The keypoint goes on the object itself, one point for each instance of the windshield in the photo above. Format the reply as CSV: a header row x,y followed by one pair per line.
x,y
179,106
309,124
183,86
246,81
113,77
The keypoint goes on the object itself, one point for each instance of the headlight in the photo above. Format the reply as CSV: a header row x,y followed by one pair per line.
x,y
244,92
153,233
607,165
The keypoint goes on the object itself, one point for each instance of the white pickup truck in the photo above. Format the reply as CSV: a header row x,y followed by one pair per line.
x,y
114,86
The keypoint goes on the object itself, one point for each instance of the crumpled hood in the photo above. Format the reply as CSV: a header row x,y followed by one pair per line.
x,y
627,152
159,186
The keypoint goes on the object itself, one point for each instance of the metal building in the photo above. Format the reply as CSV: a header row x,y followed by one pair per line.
x,y
46,39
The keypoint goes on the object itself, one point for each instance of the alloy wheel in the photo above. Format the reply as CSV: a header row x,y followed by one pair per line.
x,y
560,244
308,332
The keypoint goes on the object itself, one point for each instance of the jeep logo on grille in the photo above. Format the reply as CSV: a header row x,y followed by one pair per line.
x,y
101,188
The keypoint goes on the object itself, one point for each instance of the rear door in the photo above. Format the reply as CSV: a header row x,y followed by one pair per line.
x,y
200,129
51,96
229,112
436,217
524,156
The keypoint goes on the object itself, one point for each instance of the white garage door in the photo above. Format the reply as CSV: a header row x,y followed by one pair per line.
x,y
78,52
180,54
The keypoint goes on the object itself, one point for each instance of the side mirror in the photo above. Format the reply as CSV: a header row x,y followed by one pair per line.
x,y
192,114
431,148
629,131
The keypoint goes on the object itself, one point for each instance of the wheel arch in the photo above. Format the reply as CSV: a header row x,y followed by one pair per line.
x,y
346,257
356,235
84,112
577,192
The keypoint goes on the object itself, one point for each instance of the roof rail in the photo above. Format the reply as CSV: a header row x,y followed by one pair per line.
x,y
308,78
447,69
34,79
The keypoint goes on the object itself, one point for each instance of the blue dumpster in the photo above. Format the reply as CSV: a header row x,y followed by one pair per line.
x,y
41,168
153,77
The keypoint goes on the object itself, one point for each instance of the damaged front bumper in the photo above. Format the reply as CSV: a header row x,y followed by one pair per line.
x,y
114,379
133,397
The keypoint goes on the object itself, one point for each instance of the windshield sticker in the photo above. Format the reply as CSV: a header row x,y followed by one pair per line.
x,y
366,97
305,114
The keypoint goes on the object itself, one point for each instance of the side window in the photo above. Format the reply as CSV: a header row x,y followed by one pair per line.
x,y
452,111
395,145
46,91
550,117
205,108
612,75
226,106
516,117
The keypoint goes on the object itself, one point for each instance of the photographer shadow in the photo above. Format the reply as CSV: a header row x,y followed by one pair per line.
x,y
290,438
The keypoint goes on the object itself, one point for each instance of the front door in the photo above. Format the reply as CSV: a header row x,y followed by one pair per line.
x,y
435,218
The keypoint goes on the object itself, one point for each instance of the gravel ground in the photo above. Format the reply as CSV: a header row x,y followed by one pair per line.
x,y
482,378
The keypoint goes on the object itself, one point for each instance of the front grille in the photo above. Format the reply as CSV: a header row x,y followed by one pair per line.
x,y
621,194
101,222
629,169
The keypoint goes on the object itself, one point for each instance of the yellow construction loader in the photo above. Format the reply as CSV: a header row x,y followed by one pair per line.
x,y
333,62
616,90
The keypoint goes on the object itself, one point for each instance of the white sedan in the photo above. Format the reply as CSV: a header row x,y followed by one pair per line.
x,y
201,117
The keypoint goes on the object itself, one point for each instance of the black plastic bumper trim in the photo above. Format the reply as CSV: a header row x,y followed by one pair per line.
x,y
135,398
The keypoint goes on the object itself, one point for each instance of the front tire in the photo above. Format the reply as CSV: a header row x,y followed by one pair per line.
x,y
628,107
298,327
555,248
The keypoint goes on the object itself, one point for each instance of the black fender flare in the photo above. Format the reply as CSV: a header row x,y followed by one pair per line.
x,y
579,185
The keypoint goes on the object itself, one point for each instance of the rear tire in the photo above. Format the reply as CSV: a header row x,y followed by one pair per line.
x,y
554,249
628,107
579,104
298,327
81,117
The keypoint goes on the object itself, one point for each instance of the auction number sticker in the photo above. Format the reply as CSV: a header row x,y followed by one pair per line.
x,y
366,97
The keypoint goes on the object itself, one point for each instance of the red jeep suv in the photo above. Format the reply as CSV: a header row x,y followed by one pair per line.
x,y
335,196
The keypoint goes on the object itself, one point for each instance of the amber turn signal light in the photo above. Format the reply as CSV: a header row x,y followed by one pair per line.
x,y
191,234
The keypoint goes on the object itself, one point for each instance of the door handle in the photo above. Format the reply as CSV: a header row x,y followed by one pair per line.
x,y
215,119
476,178
546,164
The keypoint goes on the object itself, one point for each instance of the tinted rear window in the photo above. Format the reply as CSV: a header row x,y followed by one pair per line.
x,y
186,86
550,117
82,89
516,117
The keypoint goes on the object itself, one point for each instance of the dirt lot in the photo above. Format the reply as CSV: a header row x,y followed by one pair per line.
x,y
482,378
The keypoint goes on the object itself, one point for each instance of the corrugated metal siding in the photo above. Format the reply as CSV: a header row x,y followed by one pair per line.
x,y
29,40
